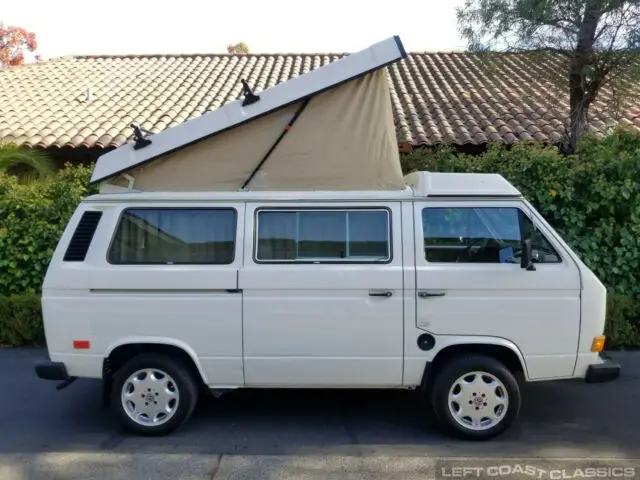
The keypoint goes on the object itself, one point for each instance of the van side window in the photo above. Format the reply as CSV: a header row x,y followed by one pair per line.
x,y
174,236
481,235
323,236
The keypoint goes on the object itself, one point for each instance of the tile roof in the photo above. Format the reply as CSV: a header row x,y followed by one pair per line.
x,y
450,98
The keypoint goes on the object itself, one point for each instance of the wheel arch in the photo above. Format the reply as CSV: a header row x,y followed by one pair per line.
x,y
499,348
121,351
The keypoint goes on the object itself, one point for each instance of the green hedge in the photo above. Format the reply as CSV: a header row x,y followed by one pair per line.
x,y
623,322
21,320
32,219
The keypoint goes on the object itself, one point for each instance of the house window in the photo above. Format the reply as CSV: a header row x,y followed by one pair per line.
x,y
323,236
481,235
169,236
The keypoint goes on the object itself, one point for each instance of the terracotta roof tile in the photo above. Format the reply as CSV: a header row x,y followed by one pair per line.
x,y
458,98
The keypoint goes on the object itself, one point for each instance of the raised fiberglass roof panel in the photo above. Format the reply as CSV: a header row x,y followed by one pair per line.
x,y
439,184
231,115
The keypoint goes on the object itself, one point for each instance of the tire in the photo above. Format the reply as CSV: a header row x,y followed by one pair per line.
x,y
489,394
154,394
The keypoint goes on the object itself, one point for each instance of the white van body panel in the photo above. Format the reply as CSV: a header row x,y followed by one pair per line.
x,y
315,324
194,307
538,311
593,299
156,340
414,365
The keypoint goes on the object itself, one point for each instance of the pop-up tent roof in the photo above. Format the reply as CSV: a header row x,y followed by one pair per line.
x,y
329,129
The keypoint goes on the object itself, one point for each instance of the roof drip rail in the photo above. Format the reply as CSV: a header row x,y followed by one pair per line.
x,y
249,96
139,138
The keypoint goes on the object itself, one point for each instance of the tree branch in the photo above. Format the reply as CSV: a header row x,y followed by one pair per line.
x,y
612,5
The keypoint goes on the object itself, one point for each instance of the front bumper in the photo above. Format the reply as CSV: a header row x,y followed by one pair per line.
x,y
52,371
605,371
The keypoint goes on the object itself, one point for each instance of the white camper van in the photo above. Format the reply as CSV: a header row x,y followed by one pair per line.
x,y
222,255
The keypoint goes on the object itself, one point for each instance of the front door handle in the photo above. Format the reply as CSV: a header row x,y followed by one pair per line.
x,y
380,293
425,294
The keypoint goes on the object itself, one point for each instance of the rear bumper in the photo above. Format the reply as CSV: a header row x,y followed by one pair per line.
x,y
52,371
606,371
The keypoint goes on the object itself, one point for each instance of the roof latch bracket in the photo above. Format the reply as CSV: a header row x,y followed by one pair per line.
x,y
249,96
139,138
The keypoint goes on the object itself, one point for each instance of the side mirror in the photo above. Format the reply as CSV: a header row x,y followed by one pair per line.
x,y
527,256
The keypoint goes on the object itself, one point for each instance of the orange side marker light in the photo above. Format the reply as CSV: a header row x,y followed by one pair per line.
x,y
598,343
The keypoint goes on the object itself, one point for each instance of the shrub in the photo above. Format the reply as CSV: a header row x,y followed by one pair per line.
x,y
32,219
21,321
623,322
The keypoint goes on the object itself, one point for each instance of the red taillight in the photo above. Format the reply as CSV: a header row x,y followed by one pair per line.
x,y
81,344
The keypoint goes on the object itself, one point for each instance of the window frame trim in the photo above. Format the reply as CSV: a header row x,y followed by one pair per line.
x,y
322,261
127,209
521,213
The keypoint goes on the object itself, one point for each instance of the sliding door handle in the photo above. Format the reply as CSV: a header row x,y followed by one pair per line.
x,y
430,294
380,293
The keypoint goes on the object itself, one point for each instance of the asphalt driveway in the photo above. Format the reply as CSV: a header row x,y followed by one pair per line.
x,y
297,434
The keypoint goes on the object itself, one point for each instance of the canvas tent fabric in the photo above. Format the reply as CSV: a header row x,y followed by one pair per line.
x,y
344,139
240,112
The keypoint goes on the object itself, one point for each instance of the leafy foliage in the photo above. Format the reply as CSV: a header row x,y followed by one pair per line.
x,y
21,321
32,219
238,48
24,162
14,42
598,40
623,322
557,24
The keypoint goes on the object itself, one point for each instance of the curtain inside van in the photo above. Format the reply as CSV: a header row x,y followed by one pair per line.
x,y
175,236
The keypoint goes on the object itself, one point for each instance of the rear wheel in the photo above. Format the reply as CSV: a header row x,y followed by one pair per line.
x,y
153,394
476,397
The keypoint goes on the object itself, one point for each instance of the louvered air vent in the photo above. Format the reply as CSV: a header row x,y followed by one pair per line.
x,y
81,239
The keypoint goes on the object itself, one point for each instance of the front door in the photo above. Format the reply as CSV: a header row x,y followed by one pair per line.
x,y
470,282
323,295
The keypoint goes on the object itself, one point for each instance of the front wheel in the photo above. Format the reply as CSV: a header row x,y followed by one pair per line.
x,y
154,394
476,397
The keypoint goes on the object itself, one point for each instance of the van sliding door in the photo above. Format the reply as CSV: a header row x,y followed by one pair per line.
x,y
323,295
